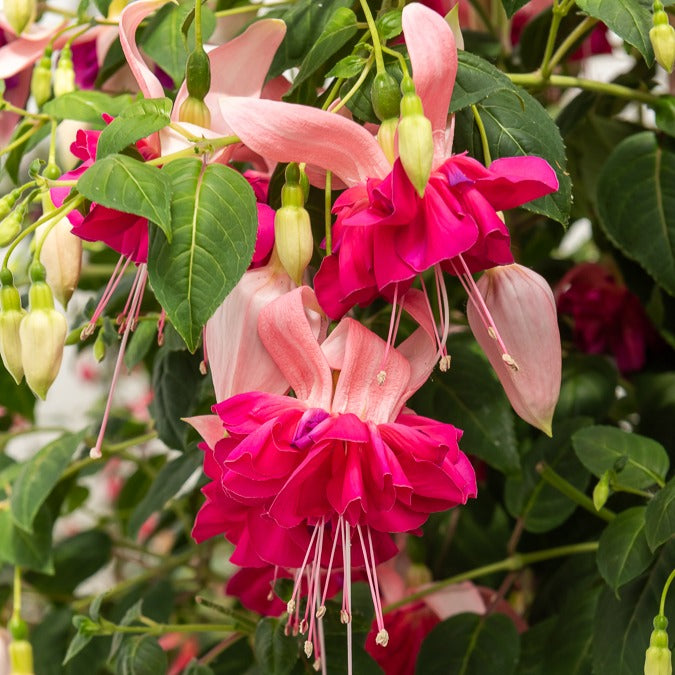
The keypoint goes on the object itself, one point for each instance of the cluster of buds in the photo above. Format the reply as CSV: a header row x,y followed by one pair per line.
x,y
12,218
198,82
294,243
31,343
415,137
662,37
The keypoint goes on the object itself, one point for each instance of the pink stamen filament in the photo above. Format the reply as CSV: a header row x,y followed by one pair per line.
x,y
444,308
138,289
347,590
131,307
298,579
112,284
160,328
439,344
338,532
372,581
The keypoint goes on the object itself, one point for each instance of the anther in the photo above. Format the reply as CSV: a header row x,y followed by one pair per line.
x,y
381,377
290,607
321,612
344,616
382,638
510,362
444,363
309,647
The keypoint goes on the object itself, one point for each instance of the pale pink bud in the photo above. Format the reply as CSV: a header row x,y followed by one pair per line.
x,y
515,323
11,315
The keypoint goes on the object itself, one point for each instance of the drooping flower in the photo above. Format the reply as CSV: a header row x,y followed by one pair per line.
x,y
340,463
608,317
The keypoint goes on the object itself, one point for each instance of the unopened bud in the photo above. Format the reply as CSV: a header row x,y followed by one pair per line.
x,y
64,77
10,226
11,315
292,228
7,203
43,333
61,254
386,137
198,73
20,658
662,37
99,347
601,491
658,659
415,138
385,96
195,111
41,80
19,14
115,8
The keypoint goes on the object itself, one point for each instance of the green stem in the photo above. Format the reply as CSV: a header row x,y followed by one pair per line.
x,y
664,593
401,59
198,25
52,142
16,608
545,67
328,204
617,487
201,148
332,94
565,487
571,40
355,88
22,139
567,82
511,564
375,36
483,136
161,628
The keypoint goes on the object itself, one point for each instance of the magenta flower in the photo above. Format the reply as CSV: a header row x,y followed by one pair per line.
x,y
341,462
607,316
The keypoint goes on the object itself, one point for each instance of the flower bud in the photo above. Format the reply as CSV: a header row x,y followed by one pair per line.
x,y
293,232
99,347
662,37
64,77
415,138
21,658
10,226
7,203
19,14
41,80
601,491
658,659
61,254
11,315
195,111
115,8
42,332
386,137
385,96
198,74
515,323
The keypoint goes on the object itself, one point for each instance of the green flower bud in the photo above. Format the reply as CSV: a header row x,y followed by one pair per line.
x,y
195,111
601,491
64,77
19,14
51,172
415,138
99,347
115,8
18,628
662,37
11,315
385,95
42,332
658,659
41,80
7,202
386,137
11,225
21,658
198,74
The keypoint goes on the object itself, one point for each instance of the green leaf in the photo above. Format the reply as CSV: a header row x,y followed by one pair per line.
x,y
341,28
166,485
31,551
636,204
304,21
622,625
639,461
588,386
39,476
665,114
471,645
623,553
530,497
139,120
389,25
516,124
661,516
533,647
276,653
214,222
350,66
629,19
196,668
163,39
81,639
175,382
512,6
141,656
476,80
470,396
140,343
125,184
86,105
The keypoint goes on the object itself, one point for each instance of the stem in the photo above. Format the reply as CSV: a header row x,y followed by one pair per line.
x,y
483,136
16,609
510,564
377,46
52,143
22,139
617,487
400,57
664,593
355,88
328,203
201,148
571,39
566,82
332,94
566,488
198,25
160,628
545,67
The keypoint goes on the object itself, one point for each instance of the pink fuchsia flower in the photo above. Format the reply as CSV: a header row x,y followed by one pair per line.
x,y
386,234
526,353
608,318
342,462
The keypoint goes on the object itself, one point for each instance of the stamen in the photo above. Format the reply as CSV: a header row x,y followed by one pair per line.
x,y
298,579
139,287
338,532
160,329
309,648
439,344
347,591
270,595
444,310
369,559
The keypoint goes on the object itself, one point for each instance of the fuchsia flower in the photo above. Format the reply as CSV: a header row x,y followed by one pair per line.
x,y
341,462
607,316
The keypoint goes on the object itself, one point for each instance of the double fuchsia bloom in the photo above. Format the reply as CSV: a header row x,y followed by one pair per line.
x,y
386,235
340,463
